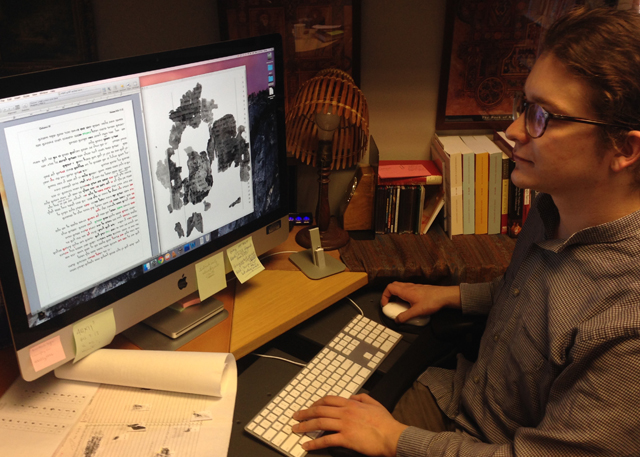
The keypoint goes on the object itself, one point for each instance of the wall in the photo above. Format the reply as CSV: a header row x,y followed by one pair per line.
x,y
401,49
132,27
400,62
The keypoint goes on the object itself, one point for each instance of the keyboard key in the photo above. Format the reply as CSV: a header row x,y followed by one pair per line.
x,y
290,442
354,369
297,451
279,439
269,434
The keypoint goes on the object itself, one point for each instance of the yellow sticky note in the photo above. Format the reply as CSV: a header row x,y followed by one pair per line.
x,y
210,276
244,260
46,354
93,333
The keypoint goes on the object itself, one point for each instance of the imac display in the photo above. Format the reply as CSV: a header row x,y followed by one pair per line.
x,y
118,177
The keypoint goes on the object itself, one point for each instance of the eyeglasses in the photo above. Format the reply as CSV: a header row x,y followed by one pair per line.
x,y
536,117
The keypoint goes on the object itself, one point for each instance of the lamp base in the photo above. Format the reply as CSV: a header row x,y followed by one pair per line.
x,y
333,238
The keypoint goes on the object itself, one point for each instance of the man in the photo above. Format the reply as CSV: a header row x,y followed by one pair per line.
x,y
558,370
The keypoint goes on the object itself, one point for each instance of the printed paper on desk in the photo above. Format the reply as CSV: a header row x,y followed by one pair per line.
x,y
130,421
210,276
244,260
93,333
38,415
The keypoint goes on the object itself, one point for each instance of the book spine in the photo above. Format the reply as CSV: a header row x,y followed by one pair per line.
x,y
515,207
422,192
406,208
456,193
414,181
482,192
396,209
495,193
526,204
380,211
390,212
504,219
468,193
440,159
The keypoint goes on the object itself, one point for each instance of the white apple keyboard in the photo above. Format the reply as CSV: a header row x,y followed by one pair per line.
x,y
340,368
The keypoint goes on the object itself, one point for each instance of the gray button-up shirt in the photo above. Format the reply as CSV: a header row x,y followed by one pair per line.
x,y
558,371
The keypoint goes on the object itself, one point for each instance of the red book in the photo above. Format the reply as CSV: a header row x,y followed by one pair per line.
x,y
428,174
526,204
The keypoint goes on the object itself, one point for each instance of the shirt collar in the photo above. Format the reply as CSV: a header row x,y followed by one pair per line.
x,y
608,232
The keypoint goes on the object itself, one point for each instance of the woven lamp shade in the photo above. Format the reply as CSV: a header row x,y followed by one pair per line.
x,y
333,91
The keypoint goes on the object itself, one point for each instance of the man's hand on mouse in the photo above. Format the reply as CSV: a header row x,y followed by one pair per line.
x,y
423,299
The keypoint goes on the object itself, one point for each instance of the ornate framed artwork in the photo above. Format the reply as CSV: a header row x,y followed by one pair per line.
x,y
316,34
42,34
489,49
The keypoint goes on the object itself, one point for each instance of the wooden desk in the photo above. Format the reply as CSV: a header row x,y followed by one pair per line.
x,y
280,298
264,307
275,301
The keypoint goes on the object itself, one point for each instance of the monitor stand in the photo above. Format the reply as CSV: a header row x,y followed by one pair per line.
x,y
169,329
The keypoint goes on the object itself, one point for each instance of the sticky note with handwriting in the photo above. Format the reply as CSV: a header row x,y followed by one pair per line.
x,y
244,260
93,333
210,276
46,354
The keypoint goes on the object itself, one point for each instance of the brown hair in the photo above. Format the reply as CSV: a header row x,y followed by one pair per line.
x,y
602,46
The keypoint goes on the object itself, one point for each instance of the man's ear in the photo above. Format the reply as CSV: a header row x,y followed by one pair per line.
x,y
629,152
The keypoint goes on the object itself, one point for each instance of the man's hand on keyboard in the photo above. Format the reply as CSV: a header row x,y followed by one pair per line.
x,y
360,423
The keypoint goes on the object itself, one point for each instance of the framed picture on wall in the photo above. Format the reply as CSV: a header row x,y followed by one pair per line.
x,y
489,49
316,34
41,34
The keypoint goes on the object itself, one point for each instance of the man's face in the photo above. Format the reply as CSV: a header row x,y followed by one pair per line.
x,y
564,161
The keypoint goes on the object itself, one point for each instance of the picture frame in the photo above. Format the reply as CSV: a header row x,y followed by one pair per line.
x,y
316,34
41,34
488,51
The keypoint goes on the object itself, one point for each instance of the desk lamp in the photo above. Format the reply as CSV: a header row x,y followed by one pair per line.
x,y
328,127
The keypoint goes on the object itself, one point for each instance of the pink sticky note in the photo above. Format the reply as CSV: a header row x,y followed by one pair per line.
x,y
46,354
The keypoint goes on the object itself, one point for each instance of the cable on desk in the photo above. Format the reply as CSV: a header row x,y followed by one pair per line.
x,y
292,361
279,358
276,253
356,305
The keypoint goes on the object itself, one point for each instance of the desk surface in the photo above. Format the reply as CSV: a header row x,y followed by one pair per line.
x,y
267,305
276,300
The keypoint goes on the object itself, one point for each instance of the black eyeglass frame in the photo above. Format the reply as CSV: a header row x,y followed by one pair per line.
x,y
520,101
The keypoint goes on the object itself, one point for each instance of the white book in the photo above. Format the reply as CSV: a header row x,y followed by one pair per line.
x,y
453,147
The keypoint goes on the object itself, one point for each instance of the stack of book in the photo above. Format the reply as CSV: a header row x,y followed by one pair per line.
x,y
329,33
519,200
479,196
409,196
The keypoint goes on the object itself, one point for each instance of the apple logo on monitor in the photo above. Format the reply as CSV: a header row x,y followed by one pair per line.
x,y
182,282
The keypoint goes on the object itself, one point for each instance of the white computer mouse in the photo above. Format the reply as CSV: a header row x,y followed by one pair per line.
x,y
397,306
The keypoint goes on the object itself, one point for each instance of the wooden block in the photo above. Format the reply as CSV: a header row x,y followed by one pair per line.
x,y
357,207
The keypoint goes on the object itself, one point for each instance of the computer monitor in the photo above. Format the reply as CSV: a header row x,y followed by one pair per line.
x,y
118,177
